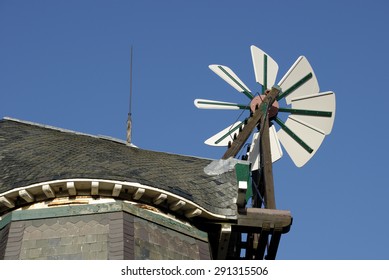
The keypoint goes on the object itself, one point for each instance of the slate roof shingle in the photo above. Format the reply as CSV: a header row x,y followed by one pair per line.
x,y
31,153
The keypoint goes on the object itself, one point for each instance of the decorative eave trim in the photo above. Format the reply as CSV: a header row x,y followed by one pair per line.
x,y
131,191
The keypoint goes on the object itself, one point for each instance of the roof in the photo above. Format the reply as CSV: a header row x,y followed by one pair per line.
x,y
32,153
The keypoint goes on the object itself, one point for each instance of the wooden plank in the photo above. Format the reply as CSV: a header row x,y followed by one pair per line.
x,y
26,195
262,244
274,242
250,245
224,241
270,201
260,217
193,213
242,137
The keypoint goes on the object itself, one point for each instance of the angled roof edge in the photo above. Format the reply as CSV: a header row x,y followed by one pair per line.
x,y
103,137
184,176
67,130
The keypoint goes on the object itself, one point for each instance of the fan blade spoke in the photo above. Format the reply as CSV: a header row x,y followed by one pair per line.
x,y
303,112
265,68
275,147
294,136
231,78
298,81
322,102
299,139
213,104
226,135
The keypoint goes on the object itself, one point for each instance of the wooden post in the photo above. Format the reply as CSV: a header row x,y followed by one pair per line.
x,y
252,123
266,161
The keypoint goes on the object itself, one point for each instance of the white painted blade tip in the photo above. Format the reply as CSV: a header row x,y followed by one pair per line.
x,y
214,104
300,68
216,66
312,136
216,138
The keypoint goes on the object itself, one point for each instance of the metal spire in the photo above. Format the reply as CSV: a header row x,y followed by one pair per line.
x,y
129,120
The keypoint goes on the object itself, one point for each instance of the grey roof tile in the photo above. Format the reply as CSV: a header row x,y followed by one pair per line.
x,y
32,154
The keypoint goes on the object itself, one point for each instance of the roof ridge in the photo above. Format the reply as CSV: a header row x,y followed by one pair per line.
x,y
103,137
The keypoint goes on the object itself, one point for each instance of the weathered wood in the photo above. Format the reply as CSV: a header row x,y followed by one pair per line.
x,y
260,218
270,201
274,242
252,123
224,240
262,244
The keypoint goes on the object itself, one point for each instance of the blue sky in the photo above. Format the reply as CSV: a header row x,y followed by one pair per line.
x,y
66,64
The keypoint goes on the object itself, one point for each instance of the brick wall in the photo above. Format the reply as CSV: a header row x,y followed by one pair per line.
x,y
113,235
153,241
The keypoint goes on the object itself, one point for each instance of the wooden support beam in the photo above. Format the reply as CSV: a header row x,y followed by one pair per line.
x,y
7,202
48,191
117,188
262,243
274,242
138,194
260,217
26,195
235,246
95,188
266,161
249,246
71,188
242,189
159,198
177,205
193,213
224,241
252,123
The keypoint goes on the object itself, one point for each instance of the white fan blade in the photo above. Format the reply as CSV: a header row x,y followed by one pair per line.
x,y
222,138
265,68
275,148
253,154
322,102
310,136
213,104
298,81
230,77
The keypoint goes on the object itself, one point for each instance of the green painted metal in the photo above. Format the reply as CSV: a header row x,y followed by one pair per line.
x,y
5,220
306,112
243,174
264,86
230,132
241,106
293,135
295,86
245,90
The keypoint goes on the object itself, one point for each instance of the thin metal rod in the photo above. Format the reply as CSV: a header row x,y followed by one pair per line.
x,y
252,123
295,86
130,105
313,113
264,87
129,117
244,90
294,136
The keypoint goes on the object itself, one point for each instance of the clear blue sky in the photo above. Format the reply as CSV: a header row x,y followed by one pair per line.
x,y
66,64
